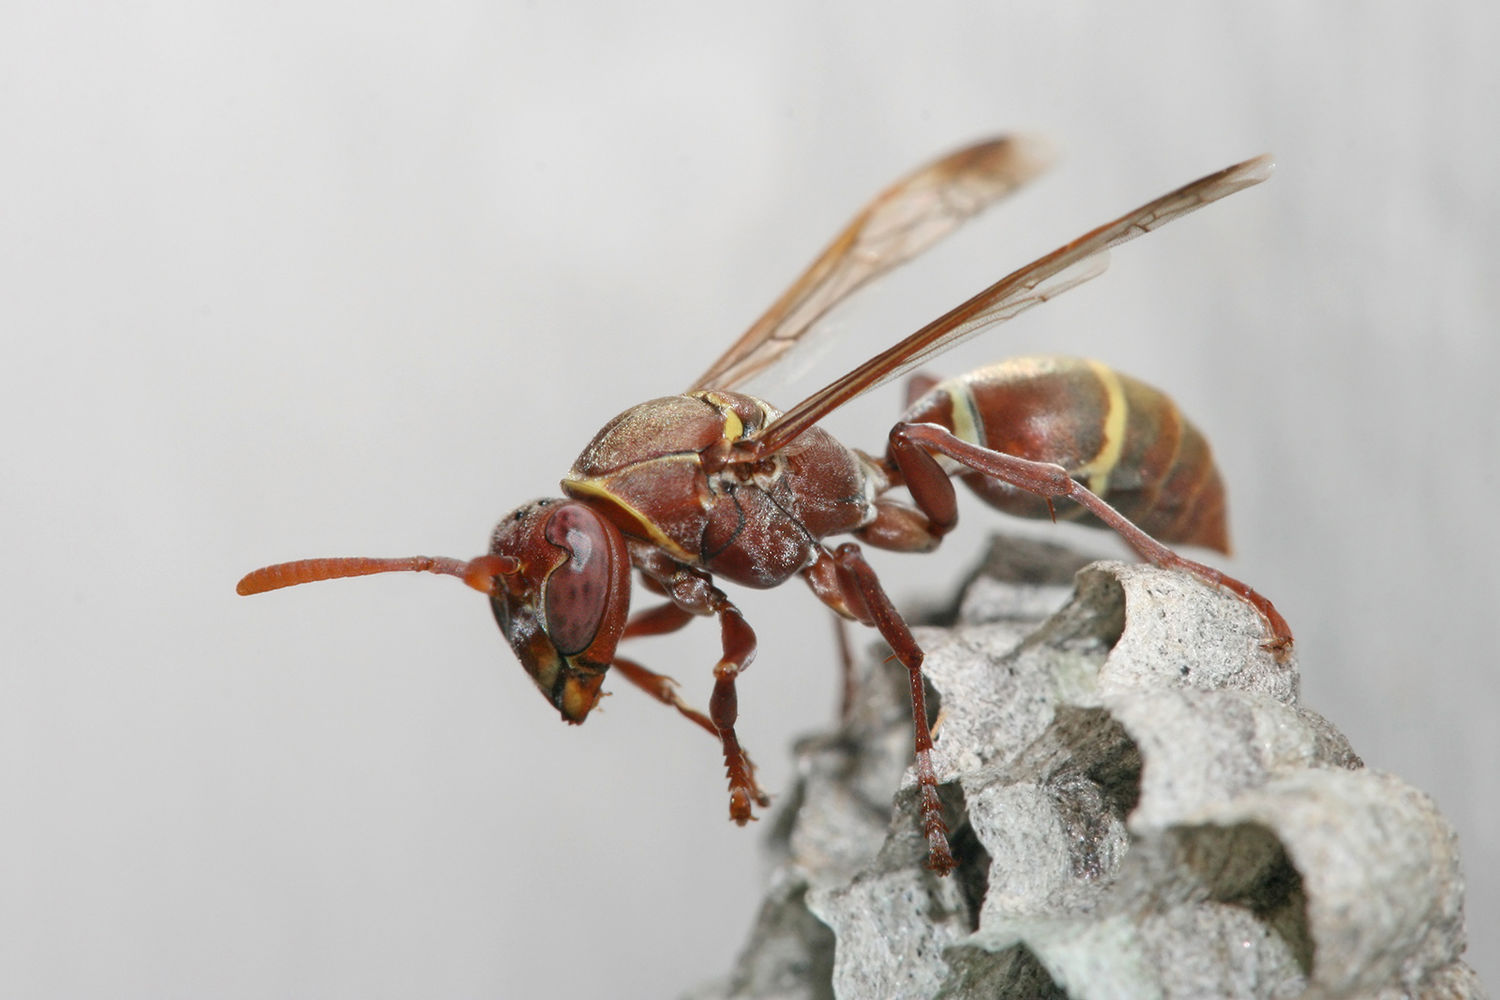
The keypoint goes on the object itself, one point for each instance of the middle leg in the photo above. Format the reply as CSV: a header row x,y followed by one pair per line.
x,y
847,583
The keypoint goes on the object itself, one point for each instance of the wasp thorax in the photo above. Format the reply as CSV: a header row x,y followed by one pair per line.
x,y
563,609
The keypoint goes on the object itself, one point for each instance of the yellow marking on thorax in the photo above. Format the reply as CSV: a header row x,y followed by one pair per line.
x,y
734,427
576,487
1096,471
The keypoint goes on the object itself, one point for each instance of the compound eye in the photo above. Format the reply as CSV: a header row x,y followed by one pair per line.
x,y
576,595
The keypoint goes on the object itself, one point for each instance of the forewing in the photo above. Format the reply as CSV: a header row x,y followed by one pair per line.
x,y
1033,284
902,222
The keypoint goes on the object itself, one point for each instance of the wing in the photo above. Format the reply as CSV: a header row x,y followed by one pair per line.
x,y
904,220
1033,284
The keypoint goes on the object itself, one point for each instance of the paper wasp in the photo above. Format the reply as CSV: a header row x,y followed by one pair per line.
x,y
716,484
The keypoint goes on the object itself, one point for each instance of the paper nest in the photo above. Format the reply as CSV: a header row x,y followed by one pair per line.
x,y
1139,805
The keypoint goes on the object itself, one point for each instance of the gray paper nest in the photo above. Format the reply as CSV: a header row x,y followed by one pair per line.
x,y
1139,806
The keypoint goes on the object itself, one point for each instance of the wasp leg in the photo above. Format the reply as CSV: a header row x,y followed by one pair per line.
x,y
847,584
663,689
846,665
903,528
693,594
823,578
912,446
659,620
723,708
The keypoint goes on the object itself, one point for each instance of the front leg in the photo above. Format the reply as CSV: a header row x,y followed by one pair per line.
x,y
913,445
692,593
663,689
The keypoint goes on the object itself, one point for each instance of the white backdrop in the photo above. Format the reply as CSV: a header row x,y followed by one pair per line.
x,y
342,278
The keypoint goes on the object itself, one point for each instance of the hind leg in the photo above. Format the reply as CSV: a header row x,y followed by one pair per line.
x,y
913,446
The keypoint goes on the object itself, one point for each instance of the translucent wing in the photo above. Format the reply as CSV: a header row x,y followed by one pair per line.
x,y
904,220
1033,284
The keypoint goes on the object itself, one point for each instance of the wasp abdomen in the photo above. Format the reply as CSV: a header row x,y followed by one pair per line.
x,y
1123,439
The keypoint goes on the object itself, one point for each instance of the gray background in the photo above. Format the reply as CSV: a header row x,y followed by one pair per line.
x,y
333,278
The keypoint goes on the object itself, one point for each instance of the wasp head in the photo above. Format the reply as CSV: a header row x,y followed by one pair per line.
x,y
563,607
558,578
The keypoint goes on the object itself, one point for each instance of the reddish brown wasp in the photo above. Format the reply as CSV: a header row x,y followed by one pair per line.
x,y
716,483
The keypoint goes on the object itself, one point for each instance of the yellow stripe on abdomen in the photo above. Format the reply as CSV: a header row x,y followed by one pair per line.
x,y
1096,471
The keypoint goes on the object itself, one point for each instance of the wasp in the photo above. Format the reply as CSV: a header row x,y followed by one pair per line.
x,y
718,485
